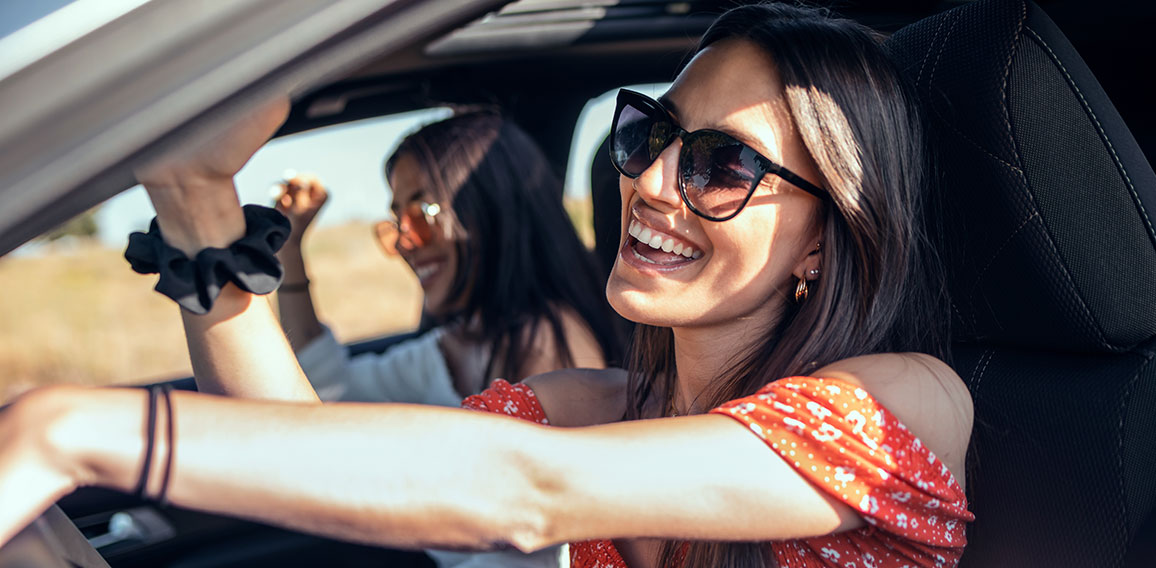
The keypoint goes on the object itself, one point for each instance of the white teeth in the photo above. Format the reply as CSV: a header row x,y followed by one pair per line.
x,y
659,241
642,258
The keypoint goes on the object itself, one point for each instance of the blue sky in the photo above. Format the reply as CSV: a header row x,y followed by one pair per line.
x,y
15,14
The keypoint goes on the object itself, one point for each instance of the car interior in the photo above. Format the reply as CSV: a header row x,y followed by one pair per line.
x,y
1045,198
1049,247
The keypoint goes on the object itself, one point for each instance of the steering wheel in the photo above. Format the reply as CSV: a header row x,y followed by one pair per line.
x,y
51,541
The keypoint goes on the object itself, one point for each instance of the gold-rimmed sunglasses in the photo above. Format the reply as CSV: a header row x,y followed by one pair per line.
x,y
413,229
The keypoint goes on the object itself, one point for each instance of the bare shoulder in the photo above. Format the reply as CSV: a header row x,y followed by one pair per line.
x,y
908,374
585,352
922,392
581,397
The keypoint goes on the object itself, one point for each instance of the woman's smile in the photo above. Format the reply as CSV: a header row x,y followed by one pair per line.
x,y
427,271
664,249
647,247
677,269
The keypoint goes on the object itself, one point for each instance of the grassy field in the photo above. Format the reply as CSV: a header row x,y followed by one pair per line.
x,y
78,314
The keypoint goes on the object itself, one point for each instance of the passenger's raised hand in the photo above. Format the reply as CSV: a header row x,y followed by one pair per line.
x,y
301,198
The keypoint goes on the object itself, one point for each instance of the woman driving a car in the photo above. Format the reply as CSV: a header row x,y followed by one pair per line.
x,y
785,402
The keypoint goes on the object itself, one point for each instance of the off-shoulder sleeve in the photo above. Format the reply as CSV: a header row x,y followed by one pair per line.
x,y
844,442
517,400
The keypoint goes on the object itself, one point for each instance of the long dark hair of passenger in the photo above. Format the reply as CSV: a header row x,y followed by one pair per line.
x,y
520,262
882,286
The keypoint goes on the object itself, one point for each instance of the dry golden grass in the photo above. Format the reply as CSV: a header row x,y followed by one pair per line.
x,y
80,315
581,212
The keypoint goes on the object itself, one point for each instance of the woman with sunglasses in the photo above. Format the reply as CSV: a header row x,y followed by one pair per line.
x,y
785,403
463,189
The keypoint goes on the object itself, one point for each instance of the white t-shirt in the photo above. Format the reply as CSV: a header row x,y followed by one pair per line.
x,y
412,371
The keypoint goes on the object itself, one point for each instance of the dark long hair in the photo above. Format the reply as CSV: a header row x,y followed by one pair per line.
x,y
882,286
521,263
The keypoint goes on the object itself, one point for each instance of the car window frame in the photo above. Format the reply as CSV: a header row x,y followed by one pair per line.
x,y
75,125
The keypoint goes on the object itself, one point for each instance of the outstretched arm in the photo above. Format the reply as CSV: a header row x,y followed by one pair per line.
x,y
237,348
418,476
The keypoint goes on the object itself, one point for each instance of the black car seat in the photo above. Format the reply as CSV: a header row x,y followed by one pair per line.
x,y
1048,210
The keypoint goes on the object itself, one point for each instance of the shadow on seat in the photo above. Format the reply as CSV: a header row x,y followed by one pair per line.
x,y
1048,210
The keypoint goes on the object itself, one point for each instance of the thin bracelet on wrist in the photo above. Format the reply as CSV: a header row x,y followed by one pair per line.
x,y
166,392
142,483
294,286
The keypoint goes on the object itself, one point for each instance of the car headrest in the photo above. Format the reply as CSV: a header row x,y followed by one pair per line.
x,y
1047,202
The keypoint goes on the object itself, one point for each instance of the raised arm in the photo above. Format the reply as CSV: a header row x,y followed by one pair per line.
x,y
237,348
303,198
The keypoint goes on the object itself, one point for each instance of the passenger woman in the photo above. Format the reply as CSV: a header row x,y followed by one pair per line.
x,y
786,402
466,191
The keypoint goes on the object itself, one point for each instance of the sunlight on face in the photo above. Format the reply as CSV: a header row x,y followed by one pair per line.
x,y
747,264
435,262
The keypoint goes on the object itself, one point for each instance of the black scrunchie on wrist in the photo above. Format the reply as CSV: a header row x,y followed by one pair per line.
x,y
250,263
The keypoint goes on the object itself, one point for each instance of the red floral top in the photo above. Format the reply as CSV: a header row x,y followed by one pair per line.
x,y
843,441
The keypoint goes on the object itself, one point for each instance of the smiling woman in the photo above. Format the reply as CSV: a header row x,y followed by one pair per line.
x,y
785,403
820,275
468,194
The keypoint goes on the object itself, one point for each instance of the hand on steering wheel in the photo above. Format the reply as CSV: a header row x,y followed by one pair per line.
x,y
32,475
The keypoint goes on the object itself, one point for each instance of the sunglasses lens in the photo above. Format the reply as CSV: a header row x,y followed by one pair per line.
x,y
416,226
718,172
411,231
636,140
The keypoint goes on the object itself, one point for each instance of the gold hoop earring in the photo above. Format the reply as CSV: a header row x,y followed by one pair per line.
x,y
801,290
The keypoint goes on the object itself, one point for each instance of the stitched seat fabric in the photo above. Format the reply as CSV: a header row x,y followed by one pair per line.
x,y
1047,207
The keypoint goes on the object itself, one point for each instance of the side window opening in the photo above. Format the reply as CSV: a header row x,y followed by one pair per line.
x,y
580,194
74,312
